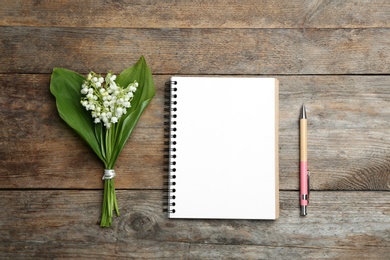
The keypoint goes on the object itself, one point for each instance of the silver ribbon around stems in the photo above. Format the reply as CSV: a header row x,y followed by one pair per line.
x,y
108,174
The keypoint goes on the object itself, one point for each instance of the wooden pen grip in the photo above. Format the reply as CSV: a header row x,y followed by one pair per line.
x,y
303,140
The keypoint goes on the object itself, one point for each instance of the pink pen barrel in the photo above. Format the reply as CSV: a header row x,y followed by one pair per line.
x,y
304,187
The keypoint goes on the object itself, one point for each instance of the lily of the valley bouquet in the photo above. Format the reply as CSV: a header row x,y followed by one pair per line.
x,y
104,112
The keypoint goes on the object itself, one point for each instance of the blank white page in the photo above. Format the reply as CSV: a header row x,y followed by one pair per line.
x,y
226,148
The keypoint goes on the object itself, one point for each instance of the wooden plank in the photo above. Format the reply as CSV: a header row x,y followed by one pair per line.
x,y
197,51
63,224
198,14
349,137
207,251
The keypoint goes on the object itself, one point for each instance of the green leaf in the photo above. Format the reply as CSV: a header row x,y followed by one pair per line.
x,y
145,92
65,85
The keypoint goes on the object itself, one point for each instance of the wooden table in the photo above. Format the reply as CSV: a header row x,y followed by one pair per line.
x,y
334,56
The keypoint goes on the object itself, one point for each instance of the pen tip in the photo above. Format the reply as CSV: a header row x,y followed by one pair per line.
x,y
303,111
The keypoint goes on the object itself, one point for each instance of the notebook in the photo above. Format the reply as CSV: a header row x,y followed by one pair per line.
x,y
223,148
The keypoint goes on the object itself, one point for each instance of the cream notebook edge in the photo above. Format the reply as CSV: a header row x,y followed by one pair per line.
x,y
220,167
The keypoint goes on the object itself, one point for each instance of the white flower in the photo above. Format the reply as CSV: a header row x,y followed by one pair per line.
x,y
108,102
84,91
119,112
113,86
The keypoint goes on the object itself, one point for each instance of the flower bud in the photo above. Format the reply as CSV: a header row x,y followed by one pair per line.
x,y
118,111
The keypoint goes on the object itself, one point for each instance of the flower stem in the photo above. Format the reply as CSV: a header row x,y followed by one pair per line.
x,y
109,203
109,197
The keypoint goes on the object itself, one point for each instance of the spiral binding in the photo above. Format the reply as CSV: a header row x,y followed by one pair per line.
x,y
170,151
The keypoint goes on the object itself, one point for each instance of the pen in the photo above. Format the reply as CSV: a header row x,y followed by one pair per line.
x,y
304,173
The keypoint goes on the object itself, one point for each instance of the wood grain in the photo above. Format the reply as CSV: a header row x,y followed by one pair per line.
x,y
333,56
348,142
197,14
196,51
50,224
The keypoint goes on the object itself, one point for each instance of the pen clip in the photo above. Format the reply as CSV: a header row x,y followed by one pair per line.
x,y
308,186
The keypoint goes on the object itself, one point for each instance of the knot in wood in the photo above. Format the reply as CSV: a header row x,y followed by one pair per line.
x,y
143,225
